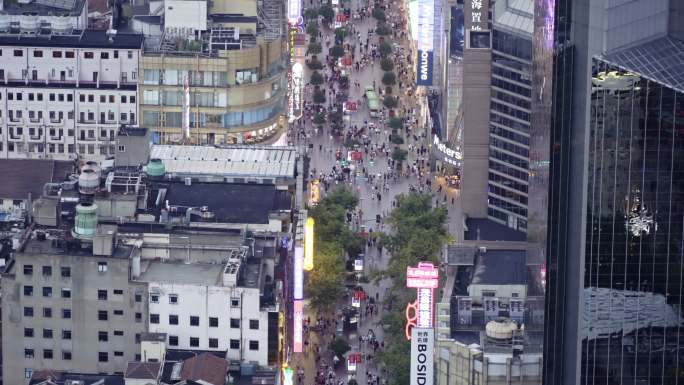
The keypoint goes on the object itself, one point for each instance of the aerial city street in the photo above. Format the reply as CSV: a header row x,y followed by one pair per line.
x,y
342,192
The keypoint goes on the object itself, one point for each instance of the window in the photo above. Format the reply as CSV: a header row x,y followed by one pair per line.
x,y
254,324
66,313
111,98
130,54
69,54
103,98
118,333
81,97
66,292
28,372
194,320
91,99
253,345
65,271
118,354
122,148
194,342
28,311
28,269
37,53
103,356
28,353
235,302
138,297
138,317
47,291
173,319
66,334
28,332
154,297
123,98
213,342
18,53
47,333
56,54
88,55
235,323
70,98
47,312
213,322
137,338
102,336
154,318
28,290
118,312
102,315
102,267
116,54
235,344
47,354
173,340
66,355
47,271
118,292
104,55
131,99
173,299
102,295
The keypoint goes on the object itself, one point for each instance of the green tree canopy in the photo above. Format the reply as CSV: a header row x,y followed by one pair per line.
x,y
312,28
399,154
341,33
386,64
314,49
340,347
319,118
385,49
389,78
319,96
327,12
311,13
383,29
396,123
390,102
337,51
379,14
316,78
314,64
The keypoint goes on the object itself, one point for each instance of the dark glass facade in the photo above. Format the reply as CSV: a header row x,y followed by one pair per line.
x,y
509,128
634,232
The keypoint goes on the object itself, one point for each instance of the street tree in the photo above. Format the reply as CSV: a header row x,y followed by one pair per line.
x,y
341,33
385,49
327,12
314,63
386,64
389,78
312,28
379,14
383,29
390,102
311,13
319,118
340,347
316,78
314,49
325,283
337,51
319,96
399,154
396,123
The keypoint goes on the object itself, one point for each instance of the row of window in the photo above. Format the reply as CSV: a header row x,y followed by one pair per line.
x,y
502,180
59,148
47,312
65,271
66,355
71,54
102,315
202,119
506,169
38,96
214,343
213,321
509,134
58,116
509,146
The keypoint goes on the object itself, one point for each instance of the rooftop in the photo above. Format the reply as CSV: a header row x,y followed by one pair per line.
x,y
234,161
132,131
45,7
515,15
205,368
485,229
57,243
181,273
230,203
143,370
30,175
78,39
660,60
49,376
500,267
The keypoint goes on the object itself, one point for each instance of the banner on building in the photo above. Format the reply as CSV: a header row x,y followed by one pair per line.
x,y
422,356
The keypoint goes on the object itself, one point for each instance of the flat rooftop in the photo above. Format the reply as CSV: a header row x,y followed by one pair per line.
x,y
28,176
231,203
485,229
228,161
45,7
500,267
660,60
182,273
78,39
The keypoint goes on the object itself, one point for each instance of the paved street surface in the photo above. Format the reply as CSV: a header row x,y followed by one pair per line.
x,y
377,184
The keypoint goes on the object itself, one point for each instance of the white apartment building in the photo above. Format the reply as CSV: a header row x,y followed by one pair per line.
x,y
209,306
65,96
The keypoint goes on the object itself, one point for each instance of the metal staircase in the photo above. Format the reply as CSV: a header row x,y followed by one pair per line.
x,y
270,13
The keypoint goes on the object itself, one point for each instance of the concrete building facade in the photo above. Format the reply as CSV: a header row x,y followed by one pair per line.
x,y
65,95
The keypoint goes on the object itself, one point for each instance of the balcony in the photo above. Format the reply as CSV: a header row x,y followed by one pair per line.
x,y
87,121
16,120
35,120
17,137
35,138
57,120
55,138
86,138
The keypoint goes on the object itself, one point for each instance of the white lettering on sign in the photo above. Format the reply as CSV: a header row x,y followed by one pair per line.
x,y
424,308
452,156
476,17
424,65
476,4
422,356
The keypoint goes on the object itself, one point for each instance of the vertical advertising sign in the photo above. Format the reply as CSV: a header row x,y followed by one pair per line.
x,y
425,44
298,338
477,23
299,273
294,10
422,356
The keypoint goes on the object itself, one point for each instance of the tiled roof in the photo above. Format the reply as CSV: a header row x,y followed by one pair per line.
x,y
24,176
143,370
205,367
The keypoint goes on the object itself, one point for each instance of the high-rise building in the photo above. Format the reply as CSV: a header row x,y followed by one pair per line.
x,y
509,115
605,183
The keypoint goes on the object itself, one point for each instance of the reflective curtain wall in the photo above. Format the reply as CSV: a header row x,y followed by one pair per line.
x,y
632,297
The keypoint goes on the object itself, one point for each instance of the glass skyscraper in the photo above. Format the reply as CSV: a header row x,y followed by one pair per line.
x,y
613,232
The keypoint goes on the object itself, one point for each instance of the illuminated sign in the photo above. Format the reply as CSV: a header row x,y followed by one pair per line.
x,y
449,155
309,244
425,278
425,44
287,375
422,356
352,361
424,301
299,273
298,338
358,265
294,10
314,192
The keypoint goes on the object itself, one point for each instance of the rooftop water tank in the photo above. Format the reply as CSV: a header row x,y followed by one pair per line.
x,y
88,181
5,23
501,329
86,220
29,23
156,168
61,25
92,165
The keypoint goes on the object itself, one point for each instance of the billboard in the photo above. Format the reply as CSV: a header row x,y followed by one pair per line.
x,y
299,273
425,43
298,338
294,10
422,356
